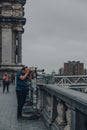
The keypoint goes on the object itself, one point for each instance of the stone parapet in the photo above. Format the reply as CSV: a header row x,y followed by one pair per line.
x,y
62,108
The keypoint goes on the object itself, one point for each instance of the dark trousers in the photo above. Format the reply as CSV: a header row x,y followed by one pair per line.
x,y
21,97
5,85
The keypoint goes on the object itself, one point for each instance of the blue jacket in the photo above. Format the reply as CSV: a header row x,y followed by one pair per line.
x,y
21,85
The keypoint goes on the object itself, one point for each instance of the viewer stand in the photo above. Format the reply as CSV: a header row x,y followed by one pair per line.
x,y
31,107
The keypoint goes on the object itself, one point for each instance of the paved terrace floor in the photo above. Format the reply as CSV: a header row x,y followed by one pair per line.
x,y
8,119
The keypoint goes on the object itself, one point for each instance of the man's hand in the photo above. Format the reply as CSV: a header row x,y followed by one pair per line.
x,y
27,70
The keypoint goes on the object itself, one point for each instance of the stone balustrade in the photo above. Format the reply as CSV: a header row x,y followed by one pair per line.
x,y
62,108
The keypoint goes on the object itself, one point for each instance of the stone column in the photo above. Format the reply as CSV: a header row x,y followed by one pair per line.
x,y
13,47
7,45
0,46
19,48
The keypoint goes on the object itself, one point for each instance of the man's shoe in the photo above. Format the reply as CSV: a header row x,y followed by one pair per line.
x,y
19,117
22,118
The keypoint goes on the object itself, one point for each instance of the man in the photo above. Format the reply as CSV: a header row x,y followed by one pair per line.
x,y
21,89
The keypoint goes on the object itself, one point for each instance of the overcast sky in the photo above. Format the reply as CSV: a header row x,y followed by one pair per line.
x,y
55,32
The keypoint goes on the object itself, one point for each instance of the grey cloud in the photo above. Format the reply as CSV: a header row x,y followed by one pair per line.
x,y
55,31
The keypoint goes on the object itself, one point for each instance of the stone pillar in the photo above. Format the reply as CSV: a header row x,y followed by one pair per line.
x,y
7,45
0,46
13,47
19,48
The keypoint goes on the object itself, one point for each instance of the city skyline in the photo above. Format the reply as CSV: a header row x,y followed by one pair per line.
x,y
55,32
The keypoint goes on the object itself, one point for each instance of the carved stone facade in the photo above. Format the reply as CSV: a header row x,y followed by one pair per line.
x,y
11,29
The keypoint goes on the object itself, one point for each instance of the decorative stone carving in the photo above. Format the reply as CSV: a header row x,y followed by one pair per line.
x,y
17,13
9,9
16,6
6,25
6,13
61,110
68,118
6,3
18,27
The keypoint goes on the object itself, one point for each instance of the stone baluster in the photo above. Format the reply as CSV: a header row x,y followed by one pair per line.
x,y
40,96
48,103
68,118
61,111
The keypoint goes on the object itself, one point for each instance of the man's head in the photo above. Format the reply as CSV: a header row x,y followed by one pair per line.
x,y
24,68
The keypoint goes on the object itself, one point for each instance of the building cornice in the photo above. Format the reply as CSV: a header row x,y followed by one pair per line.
x,y
13,20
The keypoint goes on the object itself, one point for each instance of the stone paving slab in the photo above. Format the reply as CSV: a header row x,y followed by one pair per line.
x,y
8,118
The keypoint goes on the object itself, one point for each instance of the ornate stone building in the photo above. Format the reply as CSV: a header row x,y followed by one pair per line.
x,y
11,29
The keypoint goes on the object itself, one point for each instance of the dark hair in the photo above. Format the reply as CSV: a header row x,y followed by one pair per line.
x,y
23,68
